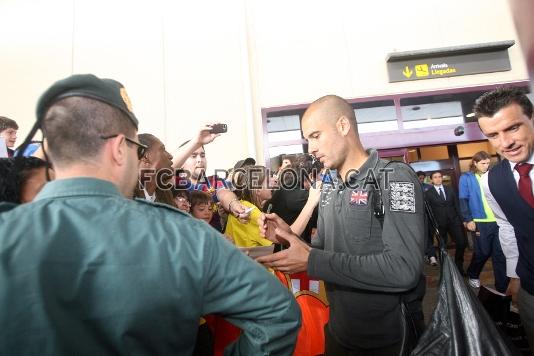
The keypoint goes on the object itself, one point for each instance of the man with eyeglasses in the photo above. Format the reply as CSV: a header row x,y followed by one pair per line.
x,y
141,149
86,271
155,172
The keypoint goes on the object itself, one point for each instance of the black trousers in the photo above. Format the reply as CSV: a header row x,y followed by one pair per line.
x,y
204,343
457,233
488,245
430,249
333,348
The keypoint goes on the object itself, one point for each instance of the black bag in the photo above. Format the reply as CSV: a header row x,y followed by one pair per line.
x,y
507,321
459,324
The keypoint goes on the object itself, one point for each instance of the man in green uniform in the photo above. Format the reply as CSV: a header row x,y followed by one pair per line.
x,y
86,271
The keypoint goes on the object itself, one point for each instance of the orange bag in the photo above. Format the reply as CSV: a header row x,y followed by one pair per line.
x,y
311,297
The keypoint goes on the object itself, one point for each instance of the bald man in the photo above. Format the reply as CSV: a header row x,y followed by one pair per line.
x,y
370,241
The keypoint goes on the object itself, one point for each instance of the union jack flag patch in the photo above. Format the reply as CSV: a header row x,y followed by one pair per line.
x,y
358,197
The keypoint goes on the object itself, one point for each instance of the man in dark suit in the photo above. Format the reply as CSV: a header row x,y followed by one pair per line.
x,y
446,208
430,249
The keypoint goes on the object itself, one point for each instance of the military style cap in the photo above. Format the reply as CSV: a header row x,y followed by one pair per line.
x,y
108,91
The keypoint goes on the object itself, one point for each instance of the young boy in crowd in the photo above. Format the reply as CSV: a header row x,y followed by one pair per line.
x,y
8,131
201,206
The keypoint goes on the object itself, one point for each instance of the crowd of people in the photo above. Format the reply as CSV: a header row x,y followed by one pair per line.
x,y
112,245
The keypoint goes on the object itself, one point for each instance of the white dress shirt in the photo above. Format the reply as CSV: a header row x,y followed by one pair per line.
x,y
516,173
506,230
150,198
438,187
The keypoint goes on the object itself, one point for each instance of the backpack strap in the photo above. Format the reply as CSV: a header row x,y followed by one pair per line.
x,y
379,210
378,204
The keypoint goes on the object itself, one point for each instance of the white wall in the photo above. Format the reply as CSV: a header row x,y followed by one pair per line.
x,y
35,50
307,49
204,61
187,63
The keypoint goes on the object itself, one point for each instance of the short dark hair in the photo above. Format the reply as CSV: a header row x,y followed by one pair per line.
x,y
176,192
7,123
337,107
290,158
199,197
420,173
477,157
13,175
148,140
489,103
308,164
303,161
74,126
435,172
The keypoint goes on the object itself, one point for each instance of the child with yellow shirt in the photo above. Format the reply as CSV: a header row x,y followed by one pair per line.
x,y
253,190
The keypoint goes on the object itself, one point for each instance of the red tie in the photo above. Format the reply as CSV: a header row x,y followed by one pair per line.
x,y
525,183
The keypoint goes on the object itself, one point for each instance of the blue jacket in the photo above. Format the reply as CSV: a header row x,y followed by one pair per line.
x,y
471,206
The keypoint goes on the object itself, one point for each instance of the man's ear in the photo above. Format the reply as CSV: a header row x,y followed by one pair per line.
x,y
119,150
343,125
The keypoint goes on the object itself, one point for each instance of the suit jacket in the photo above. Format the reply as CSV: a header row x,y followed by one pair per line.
x,y
446,212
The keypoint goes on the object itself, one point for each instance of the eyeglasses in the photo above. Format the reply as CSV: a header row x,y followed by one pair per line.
x,y
183,201
141,149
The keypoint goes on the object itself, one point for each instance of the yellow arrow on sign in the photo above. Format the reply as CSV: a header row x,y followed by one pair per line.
x,y
407,72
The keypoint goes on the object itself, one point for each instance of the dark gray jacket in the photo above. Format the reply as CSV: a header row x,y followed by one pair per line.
x,y
368,268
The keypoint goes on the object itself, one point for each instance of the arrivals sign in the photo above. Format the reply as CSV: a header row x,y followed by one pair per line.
x,y
449,62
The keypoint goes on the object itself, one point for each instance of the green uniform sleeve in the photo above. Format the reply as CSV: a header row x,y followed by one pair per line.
x,y
248,296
